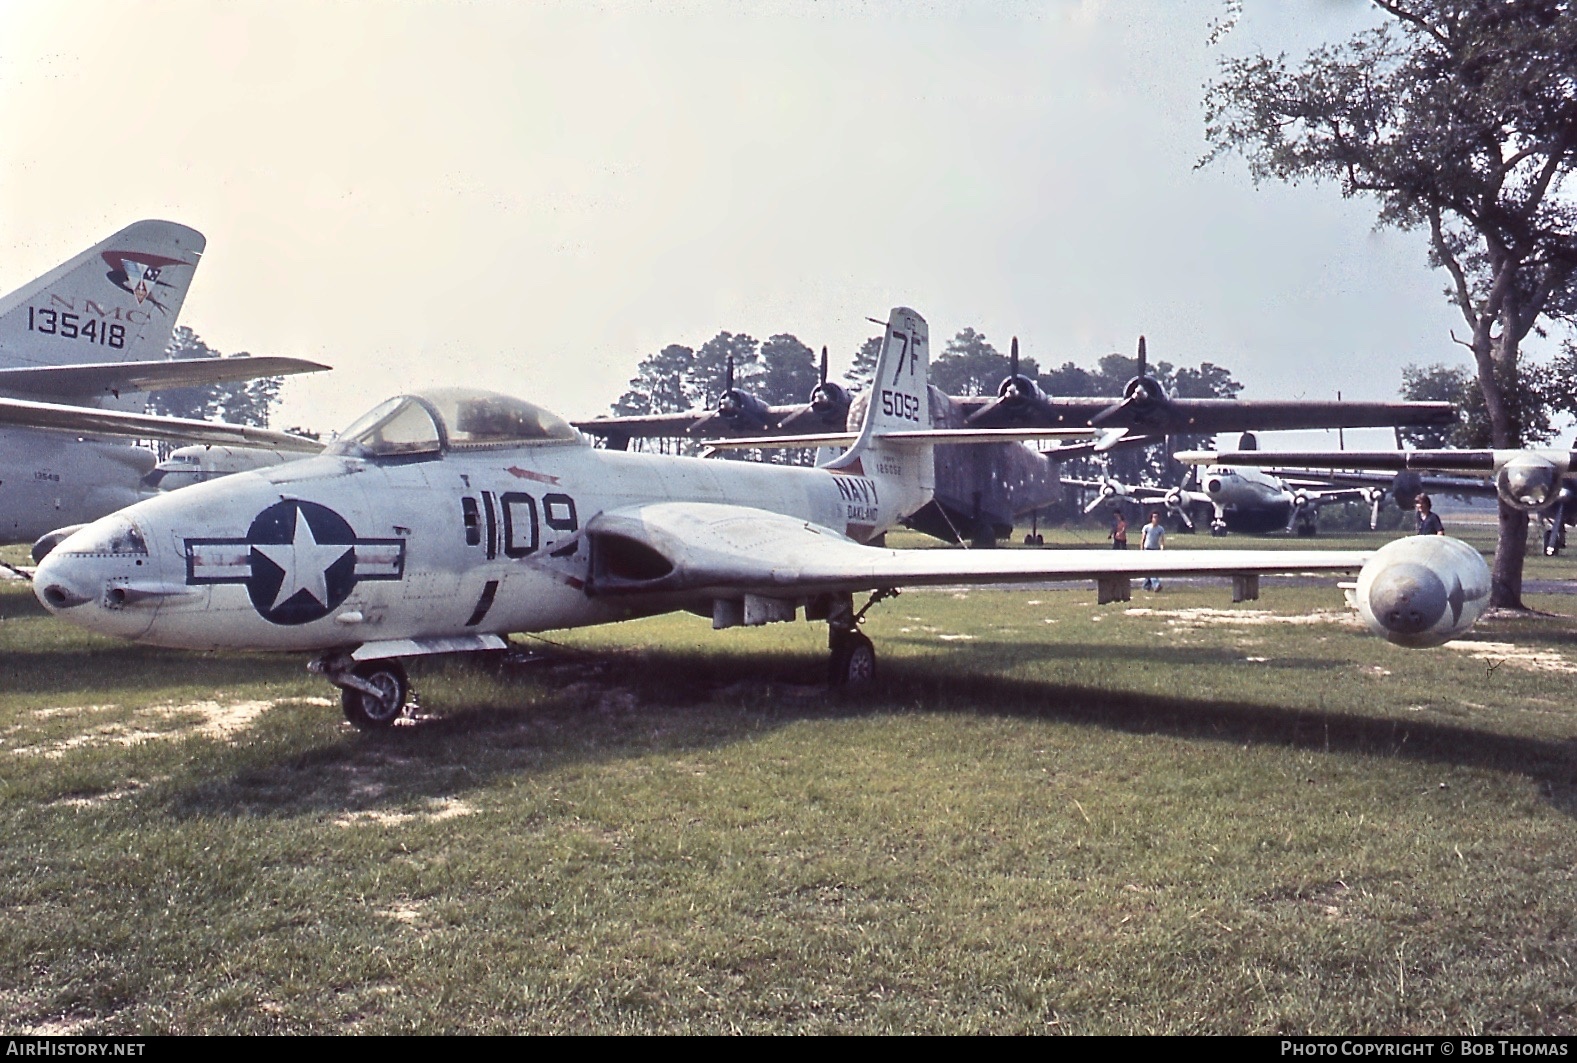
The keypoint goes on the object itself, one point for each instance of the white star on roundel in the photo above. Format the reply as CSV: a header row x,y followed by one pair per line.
x,y
305,563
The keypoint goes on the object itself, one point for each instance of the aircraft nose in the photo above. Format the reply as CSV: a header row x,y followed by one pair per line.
x,y
94,574
61,585
1408,598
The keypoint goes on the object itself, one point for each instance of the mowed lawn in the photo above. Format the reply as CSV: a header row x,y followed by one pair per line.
x,y
1173,815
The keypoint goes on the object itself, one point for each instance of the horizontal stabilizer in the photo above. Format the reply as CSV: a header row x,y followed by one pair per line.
x,y
101,378
83,420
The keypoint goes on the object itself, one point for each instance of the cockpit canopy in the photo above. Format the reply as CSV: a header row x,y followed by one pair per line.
x,y
444,419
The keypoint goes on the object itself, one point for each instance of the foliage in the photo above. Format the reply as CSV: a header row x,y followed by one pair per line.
x,y
658,385
238,402
859,374
1459,119
970,365
707,377
788,371
1453,384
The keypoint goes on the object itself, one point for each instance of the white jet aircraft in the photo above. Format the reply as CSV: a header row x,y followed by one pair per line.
x,y
440,522
79,348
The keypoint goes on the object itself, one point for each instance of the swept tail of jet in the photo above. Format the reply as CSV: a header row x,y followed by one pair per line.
x,y
115,302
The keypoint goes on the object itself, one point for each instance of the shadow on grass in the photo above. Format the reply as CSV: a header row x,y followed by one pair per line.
x,y
589,710
124,666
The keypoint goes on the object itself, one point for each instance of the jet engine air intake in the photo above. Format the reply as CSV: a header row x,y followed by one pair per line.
x,y
618,559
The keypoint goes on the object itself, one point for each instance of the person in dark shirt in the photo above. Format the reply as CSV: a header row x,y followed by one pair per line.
x,y
1428,519
1119,534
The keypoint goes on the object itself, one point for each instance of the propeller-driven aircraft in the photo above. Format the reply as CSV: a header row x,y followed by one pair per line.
x,y
79,348
1539,482
440,522
981,490
1243,499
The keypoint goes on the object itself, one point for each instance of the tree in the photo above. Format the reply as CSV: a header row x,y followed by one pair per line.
x,y
658,384
1446,383
972,366
705,381
240,402
1460,119
788,371
859,374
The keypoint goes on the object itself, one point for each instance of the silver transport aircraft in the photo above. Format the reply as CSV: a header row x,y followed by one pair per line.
x,y
80,347
1242,499
1540,482
440,522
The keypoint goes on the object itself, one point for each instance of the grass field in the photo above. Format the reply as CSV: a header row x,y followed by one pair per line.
x,y
1177,815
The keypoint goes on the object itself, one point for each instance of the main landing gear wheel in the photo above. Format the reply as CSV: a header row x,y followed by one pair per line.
x,y
853,659
372,712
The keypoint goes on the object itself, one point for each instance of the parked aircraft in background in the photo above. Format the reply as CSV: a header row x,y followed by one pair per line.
x,y
1242,498
440,522
79,348
981,490
1539,482
202,462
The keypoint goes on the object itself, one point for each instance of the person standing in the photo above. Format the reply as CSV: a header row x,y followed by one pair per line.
x,y
1119,533
1152,537
1428,519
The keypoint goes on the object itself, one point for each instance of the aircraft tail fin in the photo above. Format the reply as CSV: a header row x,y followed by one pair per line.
x,y
899,401
116,301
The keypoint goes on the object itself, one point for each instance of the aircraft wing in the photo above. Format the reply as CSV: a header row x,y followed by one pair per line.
x,y
1210,416
726,550
1457,485
84,420
1459,461
701,424
98,378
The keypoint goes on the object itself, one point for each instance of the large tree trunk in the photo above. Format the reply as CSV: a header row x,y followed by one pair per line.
x,y
1505,577
1497,363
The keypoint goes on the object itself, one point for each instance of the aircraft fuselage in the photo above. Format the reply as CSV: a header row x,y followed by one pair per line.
x,y
1247,500
337,551
50,480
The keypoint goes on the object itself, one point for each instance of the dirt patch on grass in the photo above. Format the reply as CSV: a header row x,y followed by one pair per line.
x,y
1206,617
437,810
204,719
1531,658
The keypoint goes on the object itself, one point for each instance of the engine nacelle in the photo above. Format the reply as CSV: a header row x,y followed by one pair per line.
x,y
1021,391
1144,390
1527,482
830,403
743,408
1423,590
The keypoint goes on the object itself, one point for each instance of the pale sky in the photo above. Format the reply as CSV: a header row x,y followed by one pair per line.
x,y
534,196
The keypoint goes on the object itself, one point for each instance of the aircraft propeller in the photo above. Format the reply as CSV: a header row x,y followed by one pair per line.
x,y
828,401
1376,501
1108,490
1142,395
